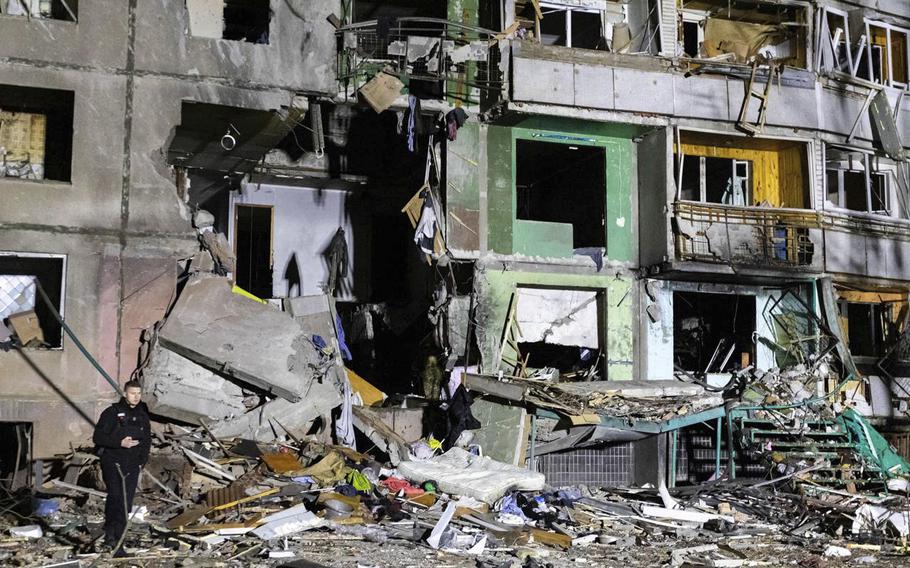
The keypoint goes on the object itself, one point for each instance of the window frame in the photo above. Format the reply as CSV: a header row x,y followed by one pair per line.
x,y
852,66
868,24
73,15
62,301
690,16
703,183
869,169
568,9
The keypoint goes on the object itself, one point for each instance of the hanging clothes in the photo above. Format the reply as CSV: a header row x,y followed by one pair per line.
x,y
344,424
413,122
337,255
459,416
455,119
425,232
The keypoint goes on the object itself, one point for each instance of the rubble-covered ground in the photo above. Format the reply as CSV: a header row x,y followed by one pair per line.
x,y
323,505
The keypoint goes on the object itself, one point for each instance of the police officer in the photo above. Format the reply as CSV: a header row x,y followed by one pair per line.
x,y
123,438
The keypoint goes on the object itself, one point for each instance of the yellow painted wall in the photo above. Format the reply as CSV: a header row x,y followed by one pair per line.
x,y
777,174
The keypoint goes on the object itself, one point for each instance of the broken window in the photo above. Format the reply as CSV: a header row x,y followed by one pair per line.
x,y
835,51
253,246
858,181
238,20
366,10
742,171
871,321
41,9
563,183
743,32
15,454
885,57
712,333
716,180
561,329
571,26
22,308
36,133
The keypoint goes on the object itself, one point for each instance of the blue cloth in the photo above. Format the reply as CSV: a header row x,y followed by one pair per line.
x,y
345,352
319,342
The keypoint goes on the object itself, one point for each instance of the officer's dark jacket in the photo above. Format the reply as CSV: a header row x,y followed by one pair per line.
x,y
116,423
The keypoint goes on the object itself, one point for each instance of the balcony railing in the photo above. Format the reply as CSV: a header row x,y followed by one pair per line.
x,y
767,236
460,57
749,236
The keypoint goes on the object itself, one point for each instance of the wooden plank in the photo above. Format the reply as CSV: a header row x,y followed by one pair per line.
x,y
282,462
553,539
187,517
73,487
492,386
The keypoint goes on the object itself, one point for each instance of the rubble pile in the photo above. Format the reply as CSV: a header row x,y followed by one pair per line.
x,y
246,503
268,450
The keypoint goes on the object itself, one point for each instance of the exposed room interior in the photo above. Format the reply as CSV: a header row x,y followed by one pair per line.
x,y
735,170
712,333
563,183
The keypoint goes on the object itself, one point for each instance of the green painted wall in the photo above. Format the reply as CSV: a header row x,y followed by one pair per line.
x,y
496,282
463,171
507,237
500,189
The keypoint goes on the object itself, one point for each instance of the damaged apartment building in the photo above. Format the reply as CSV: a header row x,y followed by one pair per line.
x,y
656,197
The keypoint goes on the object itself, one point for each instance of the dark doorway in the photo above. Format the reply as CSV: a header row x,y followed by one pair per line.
x,y
15,454
712,333
253,244
563,183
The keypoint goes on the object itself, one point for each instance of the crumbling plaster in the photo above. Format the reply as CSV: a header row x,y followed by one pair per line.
x,y
300,54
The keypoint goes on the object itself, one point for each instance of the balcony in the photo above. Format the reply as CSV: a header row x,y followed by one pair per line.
x,y
437,58
790,240
758,237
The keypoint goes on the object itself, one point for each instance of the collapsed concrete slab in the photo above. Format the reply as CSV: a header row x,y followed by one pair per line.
x,y
240,338
264,422
179,389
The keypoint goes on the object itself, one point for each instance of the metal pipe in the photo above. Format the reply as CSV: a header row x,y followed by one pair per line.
x,y
717,441
75,339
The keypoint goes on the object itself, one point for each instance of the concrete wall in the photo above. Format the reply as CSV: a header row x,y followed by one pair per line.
x,y
867,255
305,220
120,221
593,80
655,192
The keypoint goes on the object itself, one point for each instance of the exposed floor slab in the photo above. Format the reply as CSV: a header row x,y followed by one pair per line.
x,y
179,389
241,338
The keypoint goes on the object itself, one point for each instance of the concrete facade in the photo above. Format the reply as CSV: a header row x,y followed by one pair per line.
x,y
121,221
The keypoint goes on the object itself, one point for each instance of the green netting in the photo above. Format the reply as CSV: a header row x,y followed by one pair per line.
x,y
874,448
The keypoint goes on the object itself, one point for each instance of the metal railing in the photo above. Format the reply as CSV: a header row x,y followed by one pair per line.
x,y
779,237
462,57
